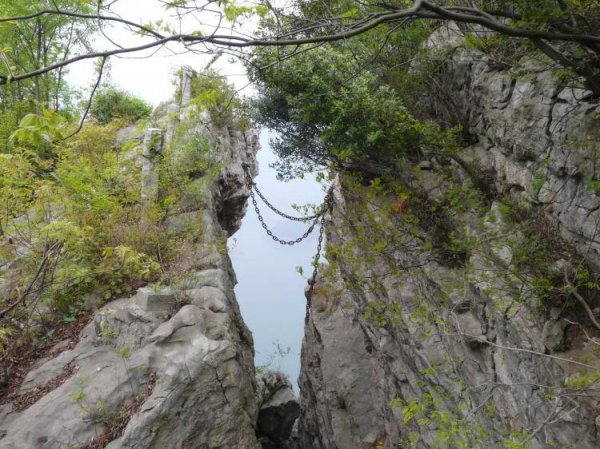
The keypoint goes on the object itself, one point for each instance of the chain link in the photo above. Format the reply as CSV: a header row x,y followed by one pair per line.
x,y
283,214
313,280
318,218
252,185
270,233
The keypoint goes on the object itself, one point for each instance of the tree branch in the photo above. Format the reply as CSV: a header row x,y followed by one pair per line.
x,y
584,304
89,103
446,13
421,9
77,15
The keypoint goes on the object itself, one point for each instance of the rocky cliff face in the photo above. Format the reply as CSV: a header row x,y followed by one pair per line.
x,y
170,367
428,330
407,349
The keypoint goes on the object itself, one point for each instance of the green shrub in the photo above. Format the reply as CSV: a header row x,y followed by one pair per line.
x,y
211,93
112,103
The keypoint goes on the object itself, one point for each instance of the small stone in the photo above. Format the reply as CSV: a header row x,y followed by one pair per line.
x,y
61,346
553,333
154,301
425,165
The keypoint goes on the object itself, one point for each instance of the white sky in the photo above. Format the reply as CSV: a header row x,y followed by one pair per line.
x,y
146,74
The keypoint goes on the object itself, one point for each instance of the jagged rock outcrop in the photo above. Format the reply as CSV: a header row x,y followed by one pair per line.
x,y
278,409
537,135
173,365
455,354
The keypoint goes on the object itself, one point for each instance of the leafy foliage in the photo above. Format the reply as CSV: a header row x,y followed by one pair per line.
x,y
346,102
75,218
112,103
28,46
213,95
328,109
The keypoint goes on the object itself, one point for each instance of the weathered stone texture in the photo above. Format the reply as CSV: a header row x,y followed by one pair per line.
x,y
191,337
458,335
278,409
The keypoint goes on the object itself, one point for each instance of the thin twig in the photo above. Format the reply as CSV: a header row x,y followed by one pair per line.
x,y
511,348
89,103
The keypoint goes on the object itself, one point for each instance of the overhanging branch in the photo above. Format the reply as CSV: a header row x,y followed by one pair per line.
x,y
76,15
330,30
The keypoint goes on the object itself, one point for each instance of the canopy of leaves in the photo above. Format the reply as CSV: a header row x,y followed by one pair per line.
x,y
327,108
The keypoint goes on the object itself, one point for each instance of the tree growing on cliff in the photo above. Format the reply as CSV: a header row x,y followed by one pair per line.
x,y
112,103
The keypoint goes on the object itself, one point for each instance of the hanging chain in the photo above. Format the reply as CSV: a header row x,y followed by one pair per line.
x,y
313,280
277,211
270,233
319,218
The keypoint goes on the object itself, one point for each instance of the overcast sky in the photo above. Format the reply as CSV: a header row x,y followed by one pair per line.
x,y
269,290
149,74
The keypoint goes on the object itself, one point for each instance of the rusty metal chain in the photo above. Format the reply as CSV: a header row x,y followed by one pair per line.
x,y
319,218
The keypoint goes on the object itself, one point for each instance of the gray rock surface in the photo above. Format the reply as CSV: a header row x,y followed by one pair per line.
x,y
152,148
530,125
279,408
385,348
184,352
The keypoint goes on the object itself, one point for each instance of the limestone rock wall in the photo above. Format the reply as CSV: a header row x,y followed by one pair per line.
x,y
384,348
173,364
529,124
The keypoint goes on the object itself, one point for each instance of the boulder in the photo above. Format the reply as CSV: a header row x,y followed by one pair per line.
x,y
279,408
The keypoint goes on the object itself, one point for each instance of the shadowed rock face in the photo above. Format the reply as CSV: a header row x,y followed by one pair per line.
x,y
278,411
454,339
276,418
184,350
232,196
